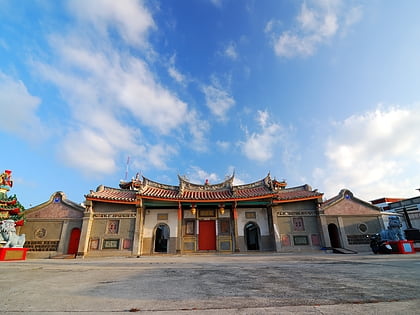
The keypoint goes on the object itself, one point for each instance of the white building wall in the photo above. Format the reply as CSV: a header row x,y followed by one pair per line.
x,y
261,219
151,220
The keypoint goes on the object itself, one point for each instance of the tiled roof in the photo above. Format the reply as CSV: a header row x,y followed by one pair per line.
x,y
187,191
108,193
190,191
300,192
159,192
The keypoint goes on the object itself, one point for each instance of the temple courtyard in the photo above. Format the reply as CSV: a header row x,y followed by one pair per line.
x,y
321,283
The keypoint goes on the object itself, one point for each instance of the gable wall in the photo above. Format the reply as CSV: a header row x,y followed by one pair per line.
x,y
350,207
55,211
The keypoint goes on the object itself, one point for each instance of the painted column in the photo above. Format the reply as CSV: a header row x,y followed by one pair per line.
x,y
276,231
235,223
63,238
138,228
86,228
179,232
343,234
325,237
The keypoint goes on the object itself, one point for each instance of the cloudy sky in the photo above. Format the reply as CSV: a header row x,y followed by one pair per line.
x,y
319,92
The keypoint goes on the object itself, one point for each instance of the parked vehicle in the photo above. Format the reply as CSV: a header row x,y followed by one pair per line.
x,y
379,246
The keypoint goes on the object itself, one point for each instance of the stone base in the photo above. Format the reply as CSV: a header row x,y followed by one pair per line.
x,y
7,254
402,247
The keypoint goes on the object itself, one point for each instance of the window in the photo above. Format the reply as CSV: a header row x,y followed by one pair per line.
x,y
189,227
362,227
207,213
162,216
300,240
224,227
94,244
127,243
298,224
111,244
250,215
112,226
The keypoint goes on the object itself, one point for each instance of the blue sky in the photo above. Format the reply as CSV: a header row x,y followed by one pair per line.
x,y
318,92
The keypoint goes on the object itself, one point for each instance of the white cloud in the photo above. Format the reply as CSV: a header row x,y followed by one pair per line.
x,y
230,51
315,25
174,72
19,110
218,100
113,96
199,130
260,146
376,154
130,18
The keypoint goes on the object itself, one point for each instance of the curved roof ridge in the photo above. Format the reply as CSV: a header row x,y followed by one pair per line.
x,y
297,188
149,182
266,181
184,184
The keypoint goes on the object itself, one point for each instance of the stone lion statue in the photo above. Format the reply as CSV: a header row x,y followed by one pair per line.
x,y
8,235
394,232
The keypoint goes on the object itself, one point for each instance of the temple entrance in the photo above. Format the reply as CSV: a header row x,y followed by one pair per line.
x,y
252,236
207,235
161,238
334,235
74,241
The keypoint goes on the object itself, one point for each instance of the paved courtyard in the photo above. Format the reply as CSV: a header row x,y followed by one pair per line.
x,y
215,284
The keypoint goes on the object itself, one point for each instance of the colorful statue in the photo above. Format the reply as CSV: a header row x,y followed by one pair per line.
x,y
394,231
11,212
8,235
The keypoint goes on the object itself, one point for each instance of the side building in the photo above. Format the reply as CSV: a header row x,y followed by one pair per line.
x,y
347,221
144,217
53,227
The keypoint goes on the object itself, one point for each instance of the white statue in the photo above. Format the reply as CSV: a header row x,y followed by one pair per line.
x,y
9,236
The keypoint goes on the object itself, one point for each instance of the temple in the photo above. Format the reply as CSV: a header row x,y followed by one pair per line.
x,y
145,217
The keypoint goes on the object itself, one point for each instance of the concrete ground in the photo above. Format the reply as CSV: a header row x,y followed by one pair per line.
x,y
214,284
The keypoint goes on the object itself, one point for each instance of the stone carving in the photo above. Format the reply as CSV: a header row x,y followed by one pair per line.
x,y
8,235
394,231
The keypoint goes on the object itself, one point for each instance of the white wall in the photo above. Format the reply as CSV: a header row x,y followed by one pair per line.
x,y
261,219
150,222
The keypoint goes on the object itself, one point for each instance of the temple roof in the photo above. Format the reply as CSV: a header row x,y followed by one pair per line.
x,y
303,192
190,192
112,194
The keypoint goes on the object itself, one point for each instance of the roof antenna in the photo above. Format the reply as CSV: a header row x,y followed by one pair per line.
x,y
126,167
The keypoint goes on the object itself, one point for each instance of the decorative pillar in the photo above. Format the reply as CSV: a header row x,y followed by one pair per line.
x,y
179,232
343,235
86,228
235,223
138,229
277,239
63,239
325,237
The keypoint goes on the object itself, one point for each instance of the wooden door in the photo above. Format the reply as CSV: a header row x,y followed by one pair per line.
x,y
207,235
74,241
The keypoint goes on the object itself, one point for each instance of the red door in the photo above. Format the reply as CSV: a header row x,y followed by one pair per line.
x,y
74,241
207,236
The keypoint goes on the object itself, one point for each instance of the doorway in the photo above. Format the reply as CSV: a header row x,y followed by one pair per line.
x,y
161,238
334,235
207,235
252,236
74,241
